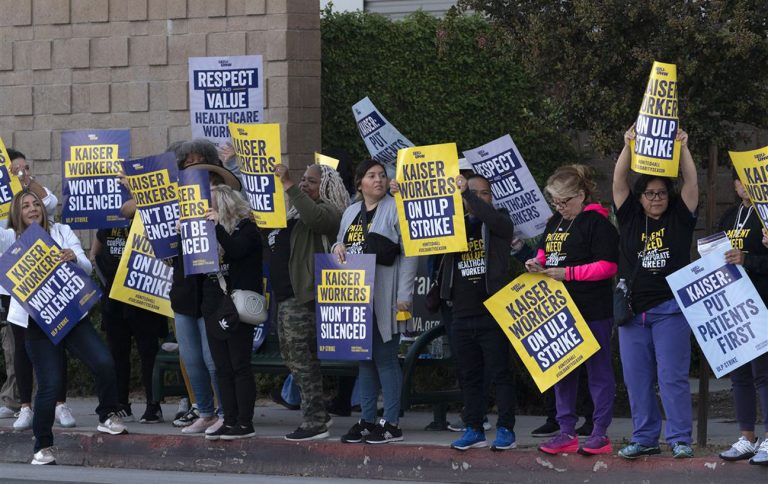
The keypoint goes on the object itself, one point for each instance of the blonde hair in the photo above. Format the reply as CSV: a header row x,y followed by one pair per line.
x,y
15,221
568,180
231,206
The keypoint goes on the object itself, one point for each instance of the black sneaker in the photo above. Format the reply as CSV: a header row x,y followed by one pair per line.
x,y
237,432
301,434
125,413
549,429
218,433
188,418
358,431
153,414
383,433
586,429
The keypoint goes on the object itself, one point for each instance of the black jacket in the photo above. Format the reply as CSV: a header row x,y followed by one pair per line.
x,y
498,231
242,254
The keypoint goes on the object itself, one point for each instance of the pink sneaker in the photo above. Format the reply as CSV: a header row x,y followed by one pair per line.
x,y
596,445
200,425
560,444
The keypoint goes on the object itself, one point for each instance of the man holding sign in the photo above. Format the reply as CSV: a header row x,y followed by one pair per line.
x,y
468,278
742,226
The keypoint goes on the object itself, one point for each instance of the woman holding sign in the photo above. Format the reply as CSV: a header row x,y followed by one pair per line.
x,y
82,341
371,226
743,227
580,247
317,203
656,229
240,244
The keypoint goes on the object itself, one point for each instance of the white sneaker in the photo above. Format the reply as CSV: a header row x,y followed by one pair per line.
x,y
113,425
200,425
44,457
24,419
6,412
64,416
213,428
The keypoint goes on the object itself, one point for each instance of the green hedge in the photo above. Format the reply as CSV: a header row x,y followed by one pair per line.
x,y
437,81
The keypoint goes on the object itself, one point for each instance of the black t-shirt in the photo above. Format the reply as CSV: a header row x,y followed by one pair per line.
x,y
354,238
746,234
280,246
668,249
469,274
588,238
113,243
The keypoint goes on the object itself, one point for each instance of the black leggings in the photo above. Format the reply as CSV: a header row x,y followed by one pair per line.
x,y
121,322
23,367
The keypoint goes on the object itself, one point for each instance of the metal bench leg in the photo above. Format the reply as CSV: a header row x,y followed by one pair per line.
x,y
439,414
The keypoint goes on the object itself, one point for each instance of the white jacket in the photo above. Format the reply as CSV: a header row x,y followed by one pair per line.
x,y
66,238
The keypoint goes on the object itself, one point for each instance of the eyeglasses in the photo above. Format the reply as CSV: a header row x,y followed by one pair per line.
x,y
561,203
650,195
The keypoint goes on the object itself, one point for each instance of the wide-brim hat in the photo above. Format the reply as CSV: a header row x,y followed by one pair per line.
x,y
229,178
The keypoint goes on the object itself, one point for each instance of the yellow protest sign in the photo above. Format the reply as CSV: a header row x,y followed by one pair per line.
x,y
429,203
9,182
142,280
752,167
321,159
257,147
546,329
654,150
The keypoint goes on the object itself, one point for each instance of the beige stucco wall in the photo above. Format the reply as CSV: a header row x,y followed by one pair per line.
x,y
108,64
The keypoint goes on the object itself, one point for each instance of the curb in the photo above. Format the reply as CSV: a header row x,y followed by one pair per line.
x,y
393,461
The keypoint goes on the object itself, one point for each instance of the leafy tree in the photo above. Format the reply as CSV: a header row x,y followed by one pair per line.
x,y
594,57
438,81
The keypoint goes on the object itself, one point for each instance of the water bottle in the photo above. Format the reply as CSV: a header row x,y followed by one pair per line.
x,y
622,285
436,348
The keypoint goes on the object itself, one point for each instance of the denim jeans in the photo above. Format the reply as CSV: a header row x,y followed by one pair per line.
x,y
483,356
381,373
48,359
196,355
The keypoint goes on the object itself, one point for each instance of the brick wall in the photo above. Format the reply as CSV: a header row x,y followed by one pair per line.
x,y
109,64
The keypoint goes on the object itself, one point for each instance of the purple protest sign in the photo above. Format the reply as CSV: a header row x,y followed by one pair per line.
x,y
91,162
198,235
344,306
154,184
55,294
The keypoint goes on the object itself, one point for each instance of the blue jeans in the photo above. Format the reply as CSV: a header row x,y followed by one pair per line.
x,y
381,373
196,355
48,361
655,347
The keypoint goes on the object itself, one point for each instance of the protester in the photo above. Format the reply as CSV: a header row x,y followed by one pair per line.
x,y
121,322
13,337
656,228
743,227
241,253
481,348
82,341
580,248
371,226
186,299
317,203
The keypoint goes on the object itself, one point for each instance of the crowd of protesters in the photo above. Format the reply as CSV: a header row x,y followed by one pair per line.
x,y
580,246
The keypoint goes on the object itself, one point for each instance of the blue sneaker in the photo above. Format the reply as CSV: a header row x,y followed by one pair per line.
x,y
505,439
681,450
635,450
470,440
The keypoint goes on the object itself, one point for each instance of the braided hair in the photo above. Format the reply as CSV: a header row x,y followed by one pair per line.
x,y
332,190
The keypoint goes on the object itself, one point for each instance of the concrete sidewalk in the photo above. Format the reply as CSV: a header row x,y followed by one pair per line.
x,y
423,456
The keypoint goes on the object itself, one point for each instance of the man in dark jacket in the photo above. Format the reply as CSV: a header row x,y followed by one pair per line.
x,y
482,350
